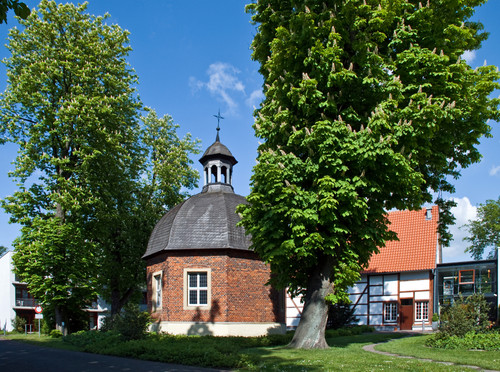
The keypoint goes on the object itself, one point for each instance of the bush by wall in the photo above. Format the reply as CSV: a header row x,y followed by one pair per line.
x,y
466,315
131,323
18,324
470,341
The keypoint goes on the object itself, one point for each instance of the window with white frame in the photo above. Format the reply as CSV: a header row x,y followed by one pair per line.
x,y
197,284
390,312
422,310
157,291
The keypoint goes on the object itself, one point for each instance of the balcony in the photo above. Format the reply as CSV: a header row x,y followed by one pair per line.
x,y
26,302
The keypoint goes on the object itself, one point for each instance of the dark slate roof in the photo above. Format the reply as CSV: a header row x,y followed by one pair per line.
x,y
218,150
204,221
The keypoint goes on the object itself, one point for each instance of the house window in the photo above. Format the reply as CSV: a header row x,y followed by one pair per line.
x,y
422,310
390,312
466,277
197,283
157,291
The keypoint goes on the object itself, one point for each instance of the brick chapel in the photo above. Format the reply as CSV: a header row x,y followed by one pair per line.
x,y
202,276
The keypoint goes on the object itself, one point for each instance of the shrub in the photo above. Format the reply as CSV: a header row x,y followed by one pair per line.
x,y
94,341
470,341
55,333
131,323
464,316
18,324
340,315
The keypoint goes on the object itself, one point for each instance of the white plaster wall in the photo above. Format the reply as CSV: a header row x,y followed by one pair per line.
x,y
377,279
375,319
354,299
294,308
361,309
7,292
357,288
391,285
414,285
384,298
219,329
414,275
362,320
376,308
425,295
406,295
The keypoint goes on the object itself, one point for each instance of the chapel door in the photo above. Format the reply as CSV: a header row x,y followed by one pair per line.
x,y
406,316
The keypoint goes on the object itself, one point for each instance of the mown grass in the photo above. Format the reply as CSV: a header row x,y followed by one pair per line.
x,y
415,346
42,340
345,354
271,354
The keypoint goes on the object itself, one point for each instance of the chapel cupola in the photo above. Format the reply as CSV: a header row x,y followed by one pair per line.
x,y
217,164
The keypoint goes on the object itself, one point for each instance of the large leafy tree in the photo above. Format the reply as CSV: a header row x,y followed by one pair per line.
x,y
93,180
368,107
131,209
71,107
484,231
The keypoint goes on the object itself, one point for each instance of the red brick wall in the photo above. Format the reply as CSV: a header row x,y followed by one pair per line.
x,y
238,290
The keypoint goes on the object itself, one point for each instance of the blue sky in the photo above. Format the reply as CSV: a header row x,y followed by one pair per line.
x,y
193,58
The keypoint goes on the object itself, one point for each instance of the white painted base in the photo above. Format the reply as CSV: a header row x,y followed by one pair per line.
x,y
219,329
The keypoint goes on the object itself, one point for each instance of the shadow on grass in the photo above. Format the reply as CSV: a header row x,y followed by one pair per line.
x,y
343,351
363,339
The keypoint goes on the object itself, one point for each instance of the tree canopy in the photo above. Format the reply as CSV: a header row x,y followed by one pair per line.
x,y
20,9
368,107
71,107
484,231
92,179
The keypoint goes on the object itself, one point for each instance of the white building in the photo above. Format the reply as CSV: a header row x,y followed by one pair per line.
x,y
17,301
405,283
14,295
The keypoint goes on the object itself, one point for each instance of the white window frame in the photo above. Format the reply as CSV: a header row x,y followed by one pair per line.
x,y
390,312
187,288
157,289
421,311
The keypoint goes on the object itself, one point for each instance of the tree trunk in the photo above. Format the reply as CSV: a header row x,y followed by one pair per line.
x,y
310,333
118,301
60,320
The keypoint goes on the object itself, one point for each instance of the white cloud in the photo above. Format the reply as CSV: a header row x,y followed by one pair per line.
x,y
222,83
494,170
469,56
463,212
255,98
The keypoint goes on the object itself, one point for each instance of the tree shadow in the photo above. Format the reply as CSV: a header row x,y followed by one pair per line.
x,y
339,341
200,327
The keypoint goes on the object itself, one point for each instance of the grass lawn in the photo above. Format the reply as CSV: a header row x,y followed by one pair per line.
x,y
415,346
345,354
43,340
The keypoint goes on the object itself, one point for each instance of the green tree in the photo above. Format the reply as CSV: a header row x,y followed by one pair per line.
x,y
368,107
20,9
71,108
131,209
2,250
484,232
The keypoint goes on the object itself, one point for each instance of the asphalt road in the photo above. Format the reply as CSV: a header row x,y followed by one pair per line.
x,y
22,357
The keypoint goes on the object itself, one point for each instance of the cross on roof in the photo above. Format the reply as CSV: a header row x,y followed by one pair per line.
x,y
218,116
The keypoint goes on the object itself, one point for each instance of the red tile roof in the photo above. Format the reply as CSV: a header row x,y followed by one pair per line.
x,y
416,248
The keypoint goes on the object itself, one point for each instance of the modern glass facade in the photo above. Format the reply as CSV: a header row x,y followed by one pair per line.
x,y
465,278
